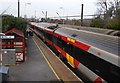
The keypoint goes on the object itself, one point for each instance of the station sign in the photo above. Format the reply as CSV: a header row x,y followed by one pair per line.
x,y
7,37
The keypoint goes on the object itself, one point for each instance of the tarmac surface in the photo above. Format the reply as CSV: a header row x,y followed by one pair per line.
x,y
61,71
34,69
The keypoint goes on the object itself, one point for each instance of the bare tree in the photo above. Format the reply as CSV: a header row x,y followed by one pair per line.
x,y
108,14
109,7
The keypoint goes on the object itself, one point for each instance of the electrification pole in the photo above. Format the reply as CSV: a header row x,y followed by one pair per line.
x,y
82,15
25,16
18,8
46,16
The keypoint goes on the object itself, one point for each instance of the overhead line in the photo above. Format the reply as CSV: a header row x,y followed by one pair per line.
x,y
75,16
5,10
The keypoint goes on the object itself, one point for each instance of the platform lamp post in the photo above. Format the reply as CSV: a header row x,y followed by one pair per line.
x,y
26,8
45,14
63,13
60,17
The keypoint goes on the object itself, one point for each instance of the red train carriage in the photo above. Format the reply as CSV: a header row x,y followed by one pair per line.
x,y
91,51
93,54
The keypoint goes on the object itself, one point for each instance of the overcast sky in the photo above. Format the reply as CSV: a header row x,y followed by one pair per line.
x,y
63,7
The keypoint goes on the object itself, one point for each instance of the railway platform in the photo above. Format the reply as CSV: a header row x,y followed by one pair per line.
x,y
41,65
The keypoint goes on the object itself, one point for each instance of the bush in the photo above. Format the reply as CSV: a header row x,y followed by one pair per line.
x,y
97,22
113,24
110,24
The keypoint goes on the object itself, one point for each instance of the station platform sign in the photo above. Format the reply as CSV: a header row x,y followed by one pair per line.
x,y
7,37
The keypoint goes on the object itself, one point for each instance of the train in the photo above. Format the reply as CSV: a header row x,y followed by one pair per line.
x,y
95,55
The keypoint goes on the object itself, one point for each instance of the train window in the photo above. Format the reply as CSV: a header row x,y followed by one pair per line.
x,y
45,35
78,52
69,49
32,26
64,45
55,40
40,31
84,56
114,70
59,42
48,36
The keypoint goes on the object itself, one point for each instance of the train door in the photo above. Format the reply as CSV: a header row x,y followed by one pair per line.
x,y
69,54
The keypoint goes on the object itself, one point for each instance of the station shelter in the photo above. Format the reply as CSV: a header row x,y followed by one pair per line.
x,y
17,42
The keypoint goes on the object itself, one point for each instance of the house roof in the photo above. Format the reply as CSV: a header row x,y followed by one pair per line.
x,y
16,31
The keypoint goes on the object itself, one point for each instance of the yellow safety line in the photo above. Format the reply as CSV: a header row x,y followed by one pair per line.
x,y
63,63
48,62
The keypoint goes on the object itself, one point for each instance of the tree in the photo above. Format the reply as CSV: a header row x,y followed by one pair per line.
x,y
109,7
108,14
9,22
97,22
